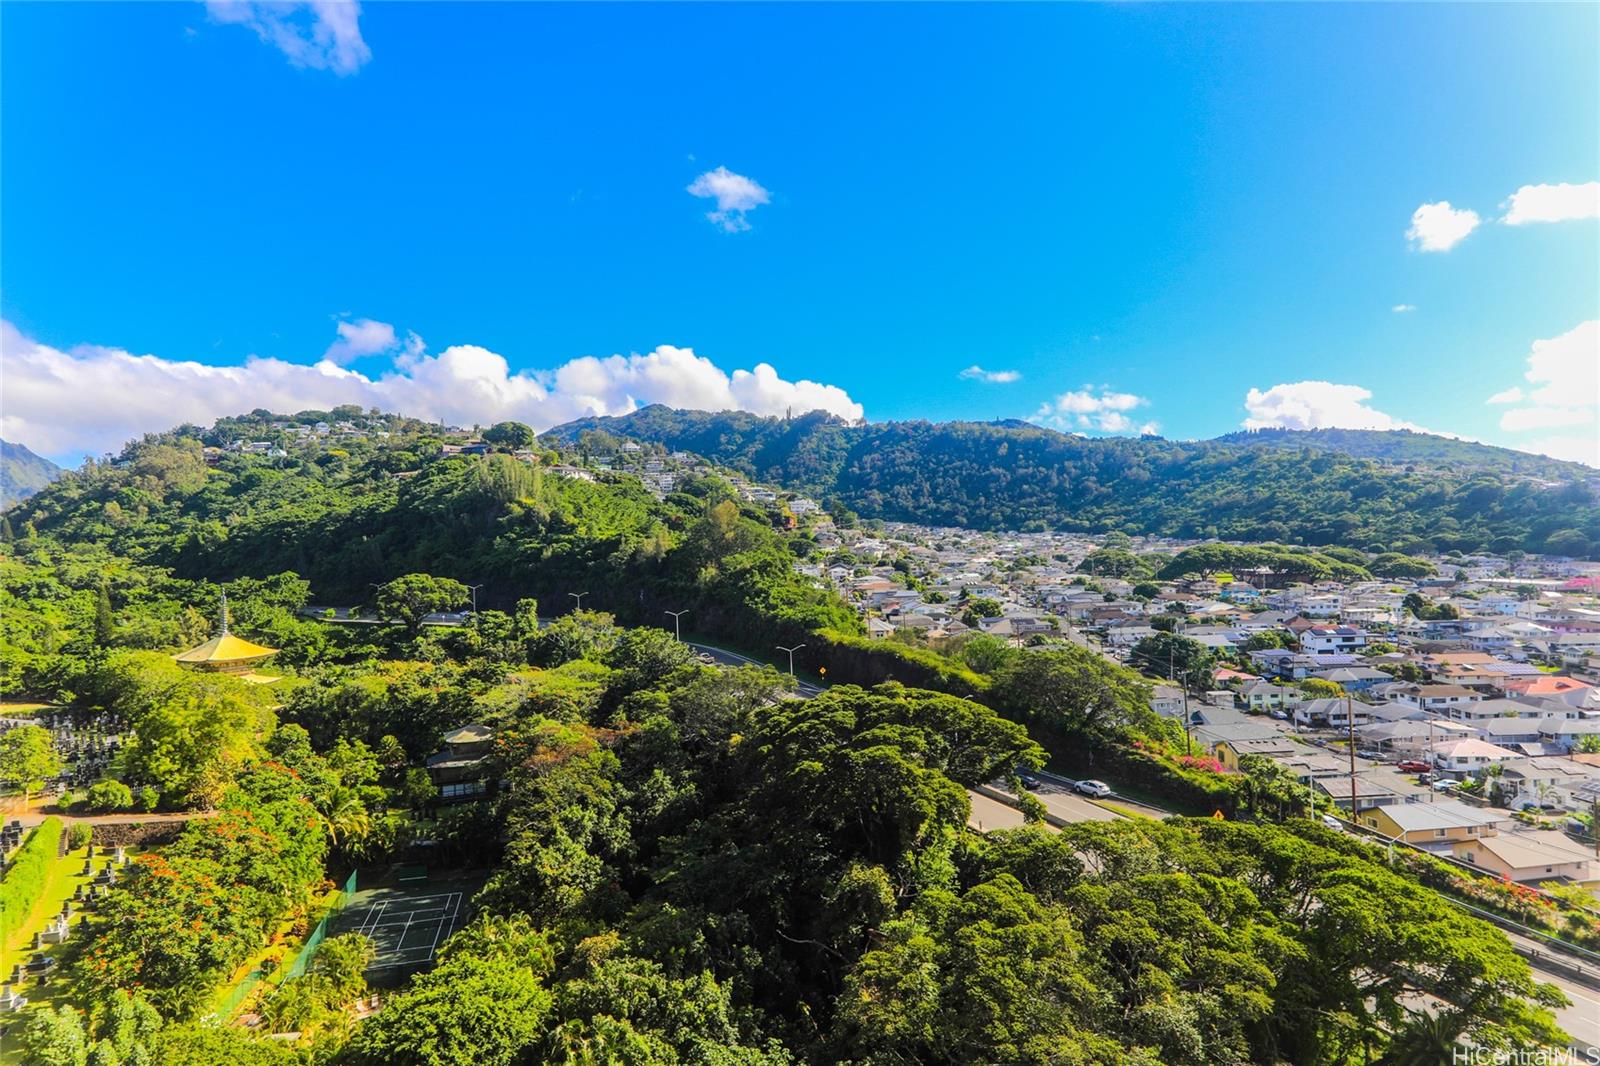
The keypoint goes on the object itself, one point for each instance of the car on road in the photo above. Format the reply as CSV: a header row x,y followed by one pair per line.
x,y
1028,780
1091,787
1412,766
1445,785
1332,823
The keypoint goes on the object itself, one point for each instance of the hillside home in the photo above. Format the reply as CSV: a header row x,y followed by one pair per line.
x,y
1264,697
1470,755
460,768
1436,823
1528,857
1436,698
1333,640
1329,714
1544,779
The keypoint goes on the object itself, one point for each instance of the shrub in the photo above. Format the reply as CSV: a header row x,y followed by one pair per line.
x,y
79,835
110,796
149,798
24,881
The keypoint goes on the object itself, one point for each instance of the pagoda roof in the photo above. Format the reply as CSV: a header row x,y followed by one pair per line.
x,y
225,648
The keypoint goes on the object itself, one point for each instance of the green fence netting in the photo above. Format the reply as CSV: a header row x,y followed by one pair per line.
x,y
302,960
309,952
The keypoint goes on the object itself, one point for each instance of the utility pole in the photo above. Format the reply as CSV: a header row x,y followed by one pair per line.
x,y
676,615
791,652
1188,736
1350,724
579,597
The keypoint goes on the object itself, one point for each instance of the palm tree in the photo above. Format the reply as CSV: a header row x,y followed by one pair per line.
x,y
343,815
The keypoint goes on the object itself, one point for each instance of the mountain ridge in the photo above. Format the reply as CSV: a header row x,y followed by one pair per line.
x,y
1410,492
23,472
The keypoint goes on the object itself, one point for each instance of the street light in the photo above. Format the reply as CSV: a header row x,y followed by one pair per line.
x,y
579,597
791,652
676,615
474,590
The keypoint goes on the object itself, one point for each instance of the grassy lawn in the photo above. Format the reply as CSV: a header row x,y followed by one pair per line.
x,y
18,709
62,879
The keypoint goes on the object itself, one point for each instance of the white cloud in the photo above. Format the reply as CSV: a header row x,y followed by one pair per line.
x,y
1521,419
1575,448
992,377
1317,405
736,196
1401,309
1564,377
1567,368
362,337
1438,227
1093,408
92,399
1553,203
320,34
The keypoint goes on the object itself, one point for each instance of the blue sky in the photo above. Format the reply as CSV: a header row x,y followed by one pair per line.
x,y
1127,216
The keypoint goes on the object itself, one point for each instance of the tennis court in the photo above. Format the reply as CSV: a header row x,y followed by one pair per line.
x,y
406,923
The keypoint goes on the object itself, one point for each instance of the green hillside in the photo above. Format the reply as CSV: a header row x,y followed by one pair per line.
x,y
23,473
1014,475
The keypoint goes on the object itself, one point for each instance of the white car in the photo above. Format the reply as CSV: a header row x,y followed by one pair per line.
x,y
1098,789
1444,785
1332,823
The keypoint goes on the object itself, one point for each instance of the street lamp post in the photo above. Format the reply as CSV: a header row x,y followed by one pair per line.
x,y
676,615
579,597
791,652
474,590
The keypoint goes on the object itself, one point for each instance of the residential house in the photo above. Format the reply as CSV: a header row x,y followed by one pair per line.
x,y
1528,857
1263,696
1230,751
1436,698
1435,823
1333,640
460,768
1329,714
1469,755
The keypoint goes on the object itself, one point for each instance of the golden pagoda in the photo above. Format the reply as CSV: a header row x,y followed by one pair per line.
x,y
228,654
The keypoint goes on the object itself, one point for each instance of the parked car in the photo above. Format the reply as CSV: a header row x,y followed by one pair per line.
x,y
1413,766
1332,823
1375,756
1098,789
1445,785
1282,716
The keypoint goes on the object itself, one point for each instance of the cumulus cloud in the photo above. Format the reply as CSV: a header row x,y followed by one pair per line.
x,y
1553,203
1401,309
735,194
1564,378
91,399
320,34
1573,447
1438,227
1091,408
362,337
1317,405
992,377
1519,419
